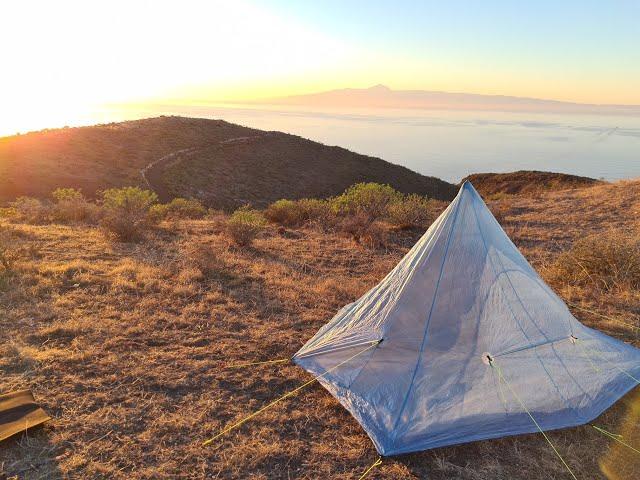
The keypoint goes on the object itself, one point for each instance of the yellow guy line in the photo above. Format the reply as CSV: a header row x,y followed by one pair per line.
x,y
285,396
495,365
374,465
268,362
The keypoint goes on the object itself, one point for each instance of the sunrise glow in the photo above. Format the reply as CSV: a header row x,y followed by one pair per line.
x,y
64,61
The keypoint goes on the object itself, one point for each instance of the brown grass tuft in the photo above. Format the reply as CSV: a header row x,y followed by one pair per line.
x,y
609,260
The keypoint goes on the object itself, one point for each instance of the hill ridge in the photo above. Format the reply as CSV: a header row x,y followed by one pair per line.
x,y
133,152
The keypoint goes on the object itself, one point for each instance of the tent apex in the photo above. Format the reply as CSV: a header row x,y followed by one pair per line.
x,y
466,185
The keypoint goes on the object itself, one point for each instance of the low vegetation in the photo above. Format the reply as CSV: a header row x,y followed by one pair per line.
x,y
607,261
126,212
368,200
413,211
8,250
178,209
31,210
244,225
365,212
127,346
526,182
71,206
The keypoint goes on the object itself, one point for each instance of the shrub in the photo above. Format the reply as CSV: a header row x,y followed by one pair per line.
x,y
32,210
8,251
129,199
71,206
126,212
293,213
286,212
375,236
607,261
316,210
368,199
7,212
412,211
362,230
66,194
244,225
177,209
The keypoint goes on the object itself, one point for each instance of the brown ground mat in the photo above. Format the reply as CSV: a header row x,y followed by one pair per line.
x,y
19,412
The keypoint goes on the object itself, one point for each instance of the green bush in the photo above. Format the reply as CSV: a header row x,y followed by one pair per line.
x,y
293,213
66,194
244,225
368,199
129,199
411,211
286,212
178,208
316,210
71,206
32,210
126,212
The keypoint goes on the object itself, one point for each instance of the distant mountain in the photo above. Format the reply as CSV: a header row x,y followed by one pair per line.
x,y
223,164
380,96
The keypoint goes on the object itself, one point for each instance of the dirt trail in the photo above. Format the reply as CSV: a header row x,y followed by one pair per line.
x,y
152,173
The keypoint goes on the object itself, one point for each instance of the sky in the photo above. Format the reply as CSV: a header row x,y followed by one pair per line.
x,y
61,58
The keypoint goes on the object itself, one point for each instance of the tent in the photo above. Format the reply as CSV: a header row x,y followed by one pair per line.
x,y
460,340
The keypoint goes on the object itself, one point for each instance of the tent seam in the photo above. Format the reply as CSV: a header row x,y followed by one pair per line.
x,y
395,299
564,400
426,328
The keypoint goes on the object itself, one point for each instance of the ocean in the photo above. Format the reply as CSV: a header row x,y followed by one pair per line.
x,y
446,144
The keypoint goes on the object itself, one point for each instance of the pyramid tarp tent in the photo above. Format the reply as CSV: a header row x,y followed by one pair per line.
x,y
462,294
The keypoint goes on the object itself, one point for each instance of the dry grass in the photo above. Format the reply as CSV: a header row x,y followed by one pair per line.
x,y
126,345
526,183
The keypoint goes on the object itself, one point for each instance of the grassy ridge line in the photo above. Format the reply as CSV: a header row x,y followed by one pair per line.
x,y
99,157
526,182
116,155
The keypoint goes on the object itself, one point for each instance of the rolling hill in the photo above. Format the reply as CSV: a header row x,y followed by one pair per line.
x,y
526,182
223,164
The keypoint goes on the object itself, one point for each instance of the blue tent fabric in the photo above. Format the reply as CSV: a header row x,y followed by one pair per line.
x,y
462,293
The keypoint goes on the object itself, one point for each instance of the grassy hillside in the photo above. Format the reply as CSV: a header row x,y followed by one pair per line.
x,y
271,166
526,182
101,156
127,346
218,162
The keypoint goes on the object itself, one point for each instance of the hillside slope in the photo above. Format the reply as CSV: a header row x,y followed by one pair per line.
x,y
261,169
526,182
279,165
100,156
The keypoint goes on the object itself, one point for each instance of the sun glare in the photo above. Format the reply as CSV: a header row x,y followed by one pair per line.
x,y
65,60
76,56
